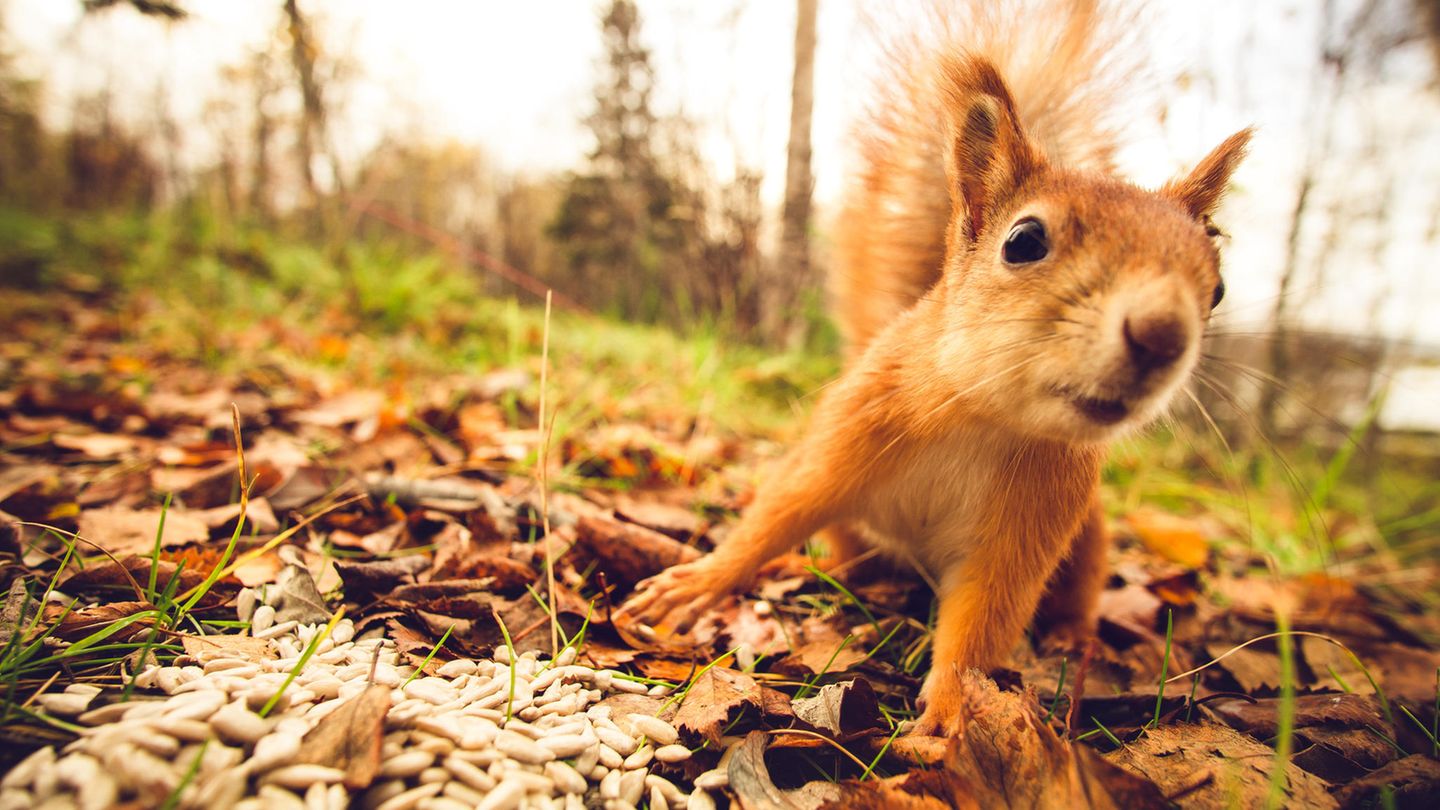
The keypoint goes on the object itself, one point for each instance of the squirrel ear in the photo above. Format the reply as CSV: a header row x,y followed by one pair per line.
x,y
1199,191
988,154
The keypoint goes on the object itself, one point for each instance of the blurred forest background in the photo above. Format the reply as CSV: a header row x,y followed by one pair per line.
x,y
245,194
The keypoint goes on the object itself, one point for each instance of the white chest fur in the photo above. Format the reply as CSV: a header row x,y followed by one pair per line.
x,y
927,513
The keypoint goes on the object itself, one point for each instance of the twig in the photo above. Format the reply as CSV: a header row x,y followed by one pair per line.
x,y
817,735
1077,692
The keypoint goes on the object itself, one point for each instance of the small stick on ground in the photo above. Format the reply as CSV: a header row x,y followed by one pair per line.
x,y
1077,691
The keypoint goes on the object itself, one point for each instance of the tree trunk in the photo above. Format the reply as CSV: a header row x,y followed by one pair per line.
x,y
793,273
302,58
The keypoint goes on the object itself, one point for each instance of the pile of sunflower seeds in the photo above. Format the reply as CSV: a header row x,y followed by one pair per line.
x,y
493,734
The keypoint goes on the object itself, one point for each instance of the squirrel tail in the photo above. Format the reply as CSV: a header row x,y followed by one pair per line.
x,y
1065,62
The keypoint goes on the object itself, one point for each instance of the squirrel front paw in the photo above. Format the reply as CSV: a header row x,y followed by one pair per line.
x,y
674,599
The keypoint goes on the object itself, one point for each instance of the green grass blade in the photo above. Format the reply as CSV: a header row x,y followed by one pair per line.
x,y
433,649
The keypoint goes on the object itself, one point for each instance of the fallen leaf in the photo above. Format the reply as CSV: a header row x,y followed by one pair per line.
x,y
19,608
82,622
711,700
751,783
630,553
459,556
1254,668
96,445
346,409
1011,758
367,578
1179,590
350,737
1132,606
259,517
743,627
1261,718
205,648
259,570
822,649
623,704
303,486
299,599
121,530
1341,756
1210,765
843,710
134,570
1175,538
1411,782
935,789
682,524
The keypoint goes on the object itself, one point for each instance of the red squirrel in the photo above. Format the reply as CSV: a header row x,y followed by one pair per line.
x,y
1011,306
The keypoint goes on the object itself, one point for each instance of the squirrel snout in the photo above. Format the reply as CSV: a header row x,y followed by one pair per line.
x,y
1154,340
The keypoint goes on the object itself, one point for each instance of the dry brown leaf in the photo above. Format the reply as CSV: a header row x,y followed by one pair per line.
x,y
259,517
682,524
741,626
458,555
822,650
1211,765
1261,718
346,409
121,530
629,553
478,423
708,704
843,710
1175,538
1411,782
936,789
350,737
81,622
1130,606
96,445
368,578
1010,758
259,570
204,648
1254,668
754,789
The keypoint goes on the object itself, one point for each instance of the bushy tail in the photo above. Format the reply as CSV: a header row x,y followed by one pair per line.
x,y
1065,61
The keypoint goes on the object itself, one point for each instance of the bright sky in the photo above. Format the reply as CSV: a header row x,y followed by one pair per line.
x,y
516,77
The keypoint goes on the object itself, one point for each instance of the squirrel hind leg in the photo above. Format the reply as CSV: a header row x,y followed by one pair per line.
x,y
1068,613
853,558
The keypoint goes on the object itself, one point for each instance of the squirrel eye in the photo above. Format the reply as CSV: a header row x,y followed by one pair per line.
x,y
1026,243
1219,294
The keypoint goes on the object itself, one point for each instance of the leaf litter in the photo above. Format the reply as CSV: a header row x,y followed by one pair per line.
x,y
793,696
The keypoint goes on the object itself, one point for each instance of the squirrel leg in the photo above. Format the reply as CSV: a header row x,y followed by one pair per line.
x,y
787,513
848,550
1068,612
985,604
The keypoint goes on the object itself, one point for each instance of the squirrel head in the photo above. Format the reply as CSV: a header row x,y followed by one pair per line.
x,y
1075,302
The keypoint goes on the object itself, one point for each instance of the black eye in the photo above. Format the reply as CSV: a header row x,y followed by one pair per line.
x,y
1219,294
1026,243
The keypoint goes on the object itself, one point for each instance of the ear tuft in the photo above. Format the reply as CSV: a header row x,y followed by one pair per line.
x,y
988,155
1200,191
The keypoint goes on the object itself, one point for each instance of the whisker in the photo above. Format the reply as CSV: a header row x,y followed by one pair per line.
x,y
1232,482
1261,376
1309,508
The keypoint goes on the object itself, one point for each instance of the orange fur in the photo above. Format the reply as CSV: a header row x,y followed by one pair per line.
x,y
966,435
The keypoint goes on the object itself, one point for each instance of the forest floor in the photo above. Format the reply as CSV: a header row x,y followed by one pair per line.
x,y
387,479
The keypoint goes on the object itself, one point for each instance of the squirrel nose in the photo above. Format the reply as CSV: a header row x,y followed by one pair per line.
x,y
1154,341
